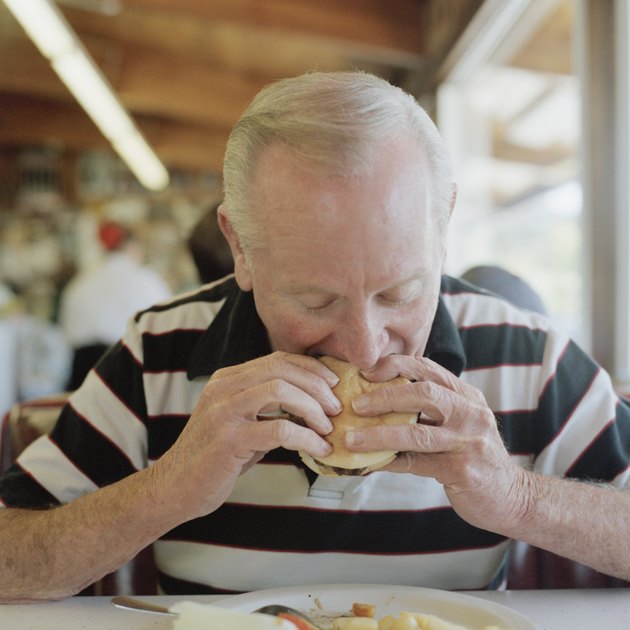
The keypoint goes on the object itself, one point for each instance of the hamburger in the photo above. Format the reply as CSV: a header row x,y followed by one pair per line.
x,y
342,461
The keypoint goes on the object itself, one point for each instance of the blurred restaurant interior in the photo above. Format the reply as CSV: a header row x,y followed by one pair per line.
x,y
532,97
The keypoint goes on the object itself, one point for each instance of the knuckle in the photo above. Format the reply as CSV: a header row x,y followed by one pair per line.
x,y
431,390
268,362
221,373
489,419
275,359
388,394
275,387
479,443
281,431
420,438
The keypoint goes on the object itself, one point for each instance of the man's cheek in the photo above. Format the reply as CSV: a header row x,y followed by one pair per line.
x,y
295,335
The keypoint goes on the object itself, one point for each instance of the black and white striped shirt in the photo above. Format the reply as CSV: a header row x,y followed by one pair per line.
x,y
557,411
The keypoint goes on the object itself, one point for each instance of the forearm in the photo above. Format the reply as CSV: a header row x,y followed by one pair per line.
x,y
51,554
587,522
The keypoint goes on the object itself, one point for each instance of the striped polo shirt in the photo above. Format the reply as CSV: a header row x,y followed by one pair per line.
x,y
282,524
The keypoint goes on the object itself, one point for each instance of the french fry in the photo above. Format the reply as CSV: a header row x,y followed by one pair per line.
x,y
363,610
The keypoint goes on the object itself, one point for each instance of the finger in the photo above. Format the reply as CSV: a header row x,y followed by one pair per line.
x,y
423,464
434,401
266,436
278,394
420,369
283,361
417,438
305,373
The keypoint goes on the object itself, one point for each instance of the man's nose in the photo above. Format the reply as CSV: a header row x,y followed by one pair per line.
x,y
361,339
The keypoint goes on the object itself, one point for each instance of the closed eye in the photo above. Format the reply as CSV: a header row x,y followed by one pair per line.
x,y
394,303
320,308
402,294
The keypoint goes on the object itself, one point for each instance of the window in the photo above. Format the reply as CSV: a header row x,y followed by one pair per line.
x,y
512,123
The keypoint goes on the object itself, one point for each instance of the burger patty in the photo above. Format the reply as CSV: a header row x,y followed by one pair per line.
x,y
347,472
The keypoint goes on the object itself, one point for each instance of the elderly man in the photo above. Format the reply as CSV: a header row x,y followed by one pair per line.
x,y
338,193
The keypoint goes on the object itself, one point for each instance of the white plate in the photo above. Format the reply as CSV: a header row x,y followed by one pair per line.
x,y
333,599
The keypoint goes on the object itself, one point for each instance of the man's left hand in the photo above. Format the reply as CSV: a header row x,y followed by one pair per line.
x,y
456,440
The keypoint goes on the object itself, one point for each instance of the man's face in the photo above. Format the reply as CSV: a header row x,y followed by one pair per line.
x,y
348,268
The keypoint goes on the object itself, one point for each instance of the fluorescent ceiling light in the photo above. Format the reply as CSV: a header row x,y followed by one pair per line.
x,y
42,23
56,40
133,148
82,79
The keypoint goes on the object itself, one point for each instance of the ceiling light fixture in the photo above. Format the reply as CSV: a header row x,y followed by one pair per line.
x,y
47,27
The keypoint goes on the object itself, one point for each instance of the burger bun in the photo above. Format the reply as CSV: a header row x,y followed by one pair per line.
x,y
341,461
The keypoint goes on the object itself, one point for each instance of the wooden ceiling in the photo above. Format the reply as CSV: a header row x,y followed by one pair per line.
x,y
187,68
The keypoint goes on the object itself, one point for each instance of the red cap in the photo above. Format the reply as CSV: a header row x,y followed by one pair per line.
x,y
112,235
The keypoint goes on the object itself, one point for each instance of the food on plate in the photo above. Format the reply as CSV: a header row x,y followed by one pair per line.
x,y
196,616
355,623
299,622
363,610
420,621
362,619
415,621
342,461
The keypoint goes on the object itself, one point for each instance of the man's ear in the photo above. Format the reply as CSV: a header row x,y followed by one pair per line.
x,y
453,199
242,269
451,207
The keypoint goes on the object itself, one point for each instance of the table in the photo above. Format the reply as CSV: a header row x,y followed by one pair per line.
x,y
595,609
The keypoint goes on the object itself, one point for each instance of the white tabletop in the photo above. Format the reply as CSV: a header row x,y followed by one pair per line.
x,y
596,609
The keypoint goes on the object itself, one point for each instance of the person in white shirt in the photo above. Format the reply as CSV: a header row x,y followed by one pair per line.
x,y
97,303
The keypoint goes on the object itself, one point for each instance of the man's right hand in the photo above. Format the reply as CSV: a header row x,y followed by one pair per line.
x,y
226,435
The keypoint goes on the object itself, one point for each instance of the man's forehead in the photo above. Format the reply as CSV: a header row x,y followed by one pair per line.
x,y
279,176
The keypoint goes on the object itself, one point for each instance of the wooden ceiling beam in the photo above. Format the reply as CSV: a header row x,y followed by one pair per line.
x,y
186,69
186,146
30,121
243,47
201,93
197,90
396,24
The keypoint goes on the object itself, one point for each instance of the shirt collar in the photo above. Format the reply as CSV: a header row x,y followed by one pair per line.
x,y
237,335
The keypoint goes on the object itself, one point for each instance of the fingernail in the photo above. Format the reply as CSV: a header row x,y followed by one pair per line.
x,y
327,426
336,404
359,404
324,449
332,379
354,438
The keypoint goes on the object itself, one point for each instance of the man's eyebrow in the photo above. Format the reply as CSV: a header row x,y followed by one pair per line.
x,y
416,279
296,289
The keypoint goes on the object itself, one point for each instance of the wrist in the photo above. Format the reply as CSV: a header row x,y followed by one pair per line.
x,y
526,491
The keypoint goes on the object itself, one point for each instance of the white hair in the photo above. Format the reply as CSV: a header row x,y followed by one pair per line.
x,y
334,121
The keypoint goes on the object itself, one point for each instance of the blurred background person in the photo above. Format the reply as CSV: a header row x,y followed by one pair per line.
x,y
35,357
8,380
96,304
505,284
